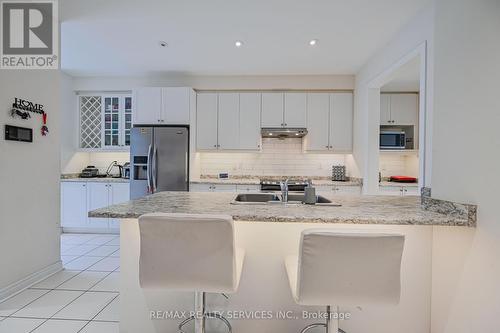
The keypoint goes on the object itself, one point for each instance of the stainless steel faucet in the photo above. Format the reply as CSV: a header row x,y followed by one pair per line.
x,y
284,190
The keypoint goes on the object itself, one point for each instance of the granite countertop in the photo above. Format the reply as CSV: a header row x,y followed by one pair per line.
x,y
354,209
256,181
96,180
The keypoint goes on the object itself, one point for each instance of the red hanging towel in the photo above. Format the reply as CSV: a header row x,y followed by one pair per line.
x,y
44,129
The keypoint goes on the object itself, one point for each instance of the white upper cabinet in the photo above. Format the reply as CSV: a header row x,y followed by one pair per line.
x,y
318,121
284,109
385,109
228,121
295,110
399,109
176,105
206,120
404,109
249,125
147,105
329,122
341,114
272,110
169,106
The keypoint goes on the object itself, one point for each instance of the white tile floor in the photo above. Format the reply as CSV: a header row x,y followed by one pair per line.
x,y
83,298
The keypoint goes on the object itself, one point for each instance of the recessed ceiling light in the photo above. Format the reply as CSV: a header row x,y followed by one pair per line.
x,y
162,43
238,43
270,133
313,42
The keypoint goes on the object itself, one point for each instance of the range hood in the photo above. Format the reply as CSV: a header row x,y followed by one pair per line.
x,y
282,133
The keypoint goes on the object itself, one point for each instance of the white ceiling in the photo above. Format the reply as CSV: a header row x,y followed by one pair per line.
x,y
120,37
406,78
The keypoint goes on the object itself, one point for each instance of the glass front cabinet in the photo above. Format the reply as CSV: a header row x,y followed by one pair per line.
x,y
105,121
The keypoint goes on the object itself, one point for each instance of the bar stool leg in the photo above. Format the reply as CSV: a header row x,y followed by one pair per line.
x,y
332,326
199,303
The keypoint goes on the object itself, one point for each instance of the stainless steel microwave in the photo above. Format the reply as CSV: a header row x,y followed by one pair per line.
x,y
392,140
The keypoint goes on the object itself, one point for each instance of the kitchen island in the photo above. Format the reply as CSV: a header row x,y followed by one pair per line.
x,y
269,233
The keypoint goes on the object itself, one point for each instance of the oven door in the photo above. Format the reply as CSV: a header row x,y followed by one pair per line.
x,y
392,140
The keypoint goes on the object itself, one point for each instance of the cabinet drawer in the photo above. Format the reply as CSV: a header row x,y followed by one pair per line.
x,y
212,188
329,189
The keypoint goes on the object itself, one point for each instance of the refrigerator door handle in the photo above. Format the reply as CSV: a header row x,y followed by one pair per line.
x,y
154,168
148,171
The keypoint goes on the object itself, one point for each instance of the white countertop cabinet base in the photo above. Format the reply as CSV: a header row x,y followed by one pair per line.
x,y
78,198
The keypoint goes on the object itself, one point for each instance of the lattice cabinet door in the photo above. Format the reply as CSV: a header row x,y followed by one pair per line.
x,y
90,121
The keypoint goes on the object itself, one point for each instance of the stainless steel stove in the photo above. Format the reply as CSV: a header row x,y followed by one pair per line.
x,y
274,185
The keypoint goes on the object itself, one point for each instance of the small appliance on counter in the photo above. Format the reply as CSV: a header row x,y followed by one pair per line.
x,y
402,179
112,165
338,173
310,194
126,170
89,172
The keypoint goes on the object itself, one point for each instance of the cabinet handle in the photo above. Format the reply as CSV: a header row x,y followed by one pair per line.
x,y
331,147
285,124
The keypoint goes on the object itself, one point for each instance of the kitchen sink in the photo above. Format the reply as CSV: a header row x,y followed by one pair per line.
x,y
256,198
320,200
270,198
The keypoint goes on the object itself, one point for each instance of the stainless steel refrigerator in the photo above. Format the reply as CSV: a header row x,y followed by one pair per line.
x,y
159,158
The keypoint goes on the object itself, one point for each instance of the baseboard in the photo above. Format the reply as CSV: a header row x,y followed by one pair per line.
x,y
29,280
115,231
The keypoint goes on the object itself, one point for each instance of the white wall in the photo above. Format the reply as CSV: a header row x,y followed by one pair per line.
x,y
466,264
29,179
366,124
73,161
277,158
218,82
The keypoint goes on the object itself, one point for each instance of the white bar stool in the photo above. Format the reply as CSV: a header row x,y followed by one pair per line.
x,y
190,252
348,269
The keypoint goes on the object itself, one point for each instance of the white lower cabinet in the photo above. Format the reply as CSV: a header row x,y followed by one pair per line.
x,y
212,187
398,190
74,204
120,192
334,189
98,197
78,198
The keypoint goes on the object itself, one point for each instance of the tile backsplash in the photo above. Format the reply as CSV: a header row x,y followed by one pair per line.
x,y
398,165
277,158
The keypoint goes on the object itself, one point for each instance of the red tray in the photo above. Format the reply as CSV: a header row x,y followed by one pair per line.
x,y
403,179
